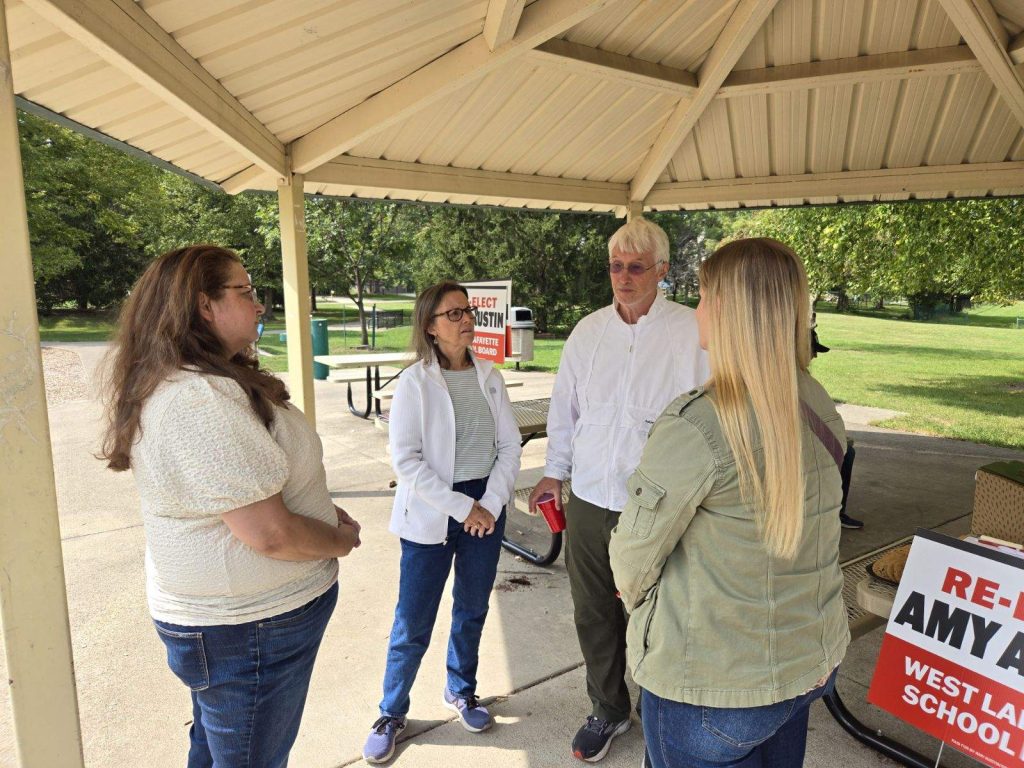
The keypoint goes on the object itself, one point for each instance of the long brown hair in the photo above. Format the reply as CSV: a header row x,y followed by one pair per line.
x,y
759,313
423,315
160,331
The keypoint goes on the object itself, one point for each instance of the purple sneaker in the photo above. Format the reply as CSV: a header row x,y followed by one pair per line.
x,y
473,717
380,744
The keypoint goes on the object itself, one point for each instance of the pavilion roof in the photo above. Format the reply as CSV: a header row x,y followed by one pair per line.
x,y
559,104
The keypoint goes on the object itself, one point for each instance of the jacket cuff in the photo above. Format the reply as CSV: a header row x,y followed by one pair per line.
x,y
492,504
462,512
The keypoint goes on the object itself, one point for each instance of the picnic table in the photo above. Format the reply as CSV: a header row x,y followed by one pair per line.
x,y
372,362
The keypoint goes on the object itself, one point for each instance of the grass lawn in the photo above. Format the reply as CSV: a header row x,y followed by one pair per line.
x,y
955,377
77,326
965,382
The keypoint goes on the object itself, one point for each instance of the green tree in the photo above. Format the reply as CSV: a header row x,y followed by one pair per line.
x,y
90,209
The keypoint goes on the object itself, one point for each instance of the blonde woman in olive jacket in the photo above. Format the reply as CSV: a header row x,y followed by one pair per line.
x,y
727,553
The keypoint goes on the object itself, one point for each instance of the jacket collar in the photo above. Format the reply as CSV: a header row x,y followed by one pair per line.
x,y
432,368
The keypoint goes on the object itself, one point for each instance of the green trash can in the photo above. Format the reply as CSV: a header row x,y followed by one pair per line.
x,y
318,328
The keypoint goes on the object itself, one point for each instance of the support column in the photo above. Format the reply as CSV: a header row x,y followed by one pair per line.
x,y
635,210
296,294
33,600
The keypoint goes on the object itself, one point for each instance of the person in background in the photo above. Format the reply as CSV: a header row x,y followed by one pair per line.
x,y
241,533
455,449
620,367
727,553
817,348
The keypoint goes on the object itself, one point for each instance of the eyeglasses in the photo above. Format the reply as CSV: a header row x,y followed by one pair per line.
x,y
250,290
456,314
634,269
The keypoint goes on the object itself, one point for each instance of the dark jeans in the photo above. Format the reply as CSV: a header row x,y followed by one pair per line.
x,y
846,472
687,736
598,613
424,571
249,683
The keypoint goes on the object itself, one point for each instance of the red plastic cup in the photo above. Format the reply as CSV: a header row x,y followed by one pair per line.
x,y
553,516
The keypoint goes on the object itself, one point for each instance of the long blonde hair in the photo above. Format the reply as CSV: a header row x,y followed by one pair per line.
x,y
758,308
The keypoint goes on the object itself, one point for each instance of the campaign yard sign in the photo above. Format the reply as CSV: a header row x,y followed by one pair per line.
x,y
952,659
491,299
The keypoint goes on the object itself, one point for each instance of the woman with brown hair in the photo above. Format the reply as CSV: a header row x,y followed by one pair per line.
x,y
455,449
727,553
241,533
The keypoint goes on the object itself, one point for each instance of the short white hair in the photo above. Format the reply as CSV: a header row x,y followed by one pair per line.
x,y
639,235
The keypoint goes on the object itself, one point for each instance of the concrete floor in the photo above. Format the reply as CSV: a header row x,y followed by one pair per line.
x,y
135,713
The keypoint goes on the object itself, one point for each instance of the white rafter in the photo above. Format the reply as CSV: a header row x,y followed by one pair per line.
x,y
502,20
908,181
980,27
124,35
746,20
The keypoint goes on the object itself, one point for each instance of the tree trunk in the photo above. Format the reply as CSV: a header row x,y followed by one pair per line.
x,y
361,306
268,305
880,303
843,302
312,298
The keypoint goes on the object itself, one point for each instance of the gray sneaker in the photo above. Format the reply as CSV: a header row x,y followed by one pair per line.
x,y
380,744
595,738
474,717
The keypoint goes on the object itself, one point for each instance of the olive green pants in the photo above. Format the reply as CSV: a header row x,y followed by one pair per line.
x,y
598,613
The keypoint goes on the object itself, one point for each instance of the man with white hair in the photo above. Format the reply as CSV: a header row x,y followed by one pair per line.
x,y
621,366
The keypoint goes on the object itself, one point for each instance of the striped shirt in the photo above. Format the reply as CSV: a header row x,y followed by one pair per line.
x,y
475,449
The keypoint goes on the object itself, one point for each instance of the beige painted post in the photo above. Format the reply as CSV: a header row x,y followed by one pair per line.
x,y
33,601
635,209
296,294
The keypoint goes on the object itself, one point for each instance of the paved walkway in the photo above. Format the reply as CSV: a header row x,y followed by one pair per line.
x,y
135,713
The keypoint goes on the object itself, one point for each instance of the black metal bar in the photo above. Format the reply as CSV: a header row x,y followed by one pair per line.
x,y
555,545
369,397
529,555
874,739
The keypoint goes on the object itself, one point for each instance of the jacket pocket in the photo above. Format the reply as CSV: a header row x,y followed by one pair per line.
x,y
642,499
186,656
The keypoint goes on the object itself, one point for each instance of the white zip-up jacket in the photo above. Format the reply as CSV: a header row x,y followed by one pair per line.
x,y
613,381
422,439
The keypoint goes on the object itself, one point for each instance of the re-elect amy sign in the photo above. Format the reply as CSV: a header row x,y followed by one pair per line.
x,y
952,659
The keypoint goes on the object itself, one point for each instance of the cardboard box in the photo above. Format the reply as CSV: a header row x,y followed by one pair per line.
x,y
999,501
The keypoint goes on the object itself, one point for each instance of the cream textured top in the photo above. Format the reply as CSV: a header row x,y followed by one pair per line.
x,y
202,451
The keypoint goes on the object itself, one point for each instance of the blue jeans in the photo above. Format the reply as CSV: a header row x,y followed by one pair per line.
x,y
773,736
248,682
424,571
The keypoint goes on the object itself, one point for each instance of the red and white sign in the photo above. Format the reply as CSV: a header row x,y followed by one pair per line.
x,y
491,299
952,659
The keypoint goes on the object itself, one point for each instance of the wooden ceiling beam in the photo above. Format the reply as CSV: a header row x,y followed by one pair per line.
x,y
125,36
982,30
624,70
410,180
909,181
927,62
747,18
501,22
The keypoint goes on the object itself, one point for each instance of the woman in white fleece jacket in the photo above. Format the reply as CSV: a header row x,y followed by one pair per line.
x,y
455,448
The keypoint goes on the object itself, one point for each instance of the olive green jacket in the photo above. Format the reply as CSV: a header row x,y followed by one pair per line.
x,y
715,620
